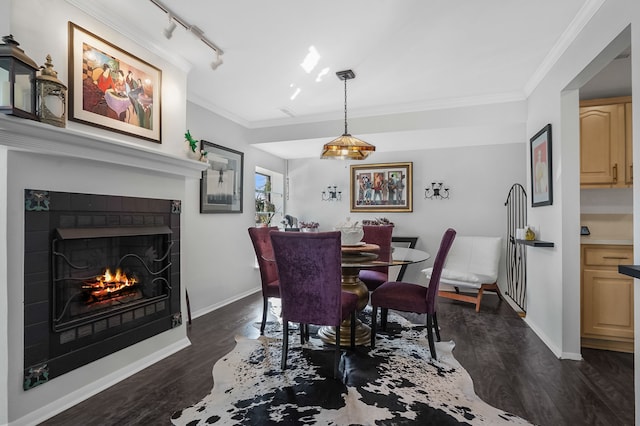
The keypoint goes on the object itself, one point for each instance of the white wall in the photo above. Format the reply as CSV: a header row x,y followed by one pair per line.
x,y
553,274
479,179
219,252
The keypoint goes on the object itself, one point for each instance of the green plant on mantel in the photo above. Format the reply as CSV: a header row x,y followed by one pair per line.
x,y
193,145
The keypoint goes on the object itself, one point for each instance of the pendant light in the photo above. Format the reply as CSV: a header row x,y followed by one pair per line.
x,y
346,146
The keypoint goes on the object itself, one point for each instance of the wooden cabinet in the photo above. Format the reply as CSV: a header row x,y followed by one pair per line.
x,y
606,298
605,143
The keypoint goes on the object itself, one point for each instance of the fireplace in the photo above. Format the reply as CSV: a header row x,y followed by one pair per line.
x,y
101,273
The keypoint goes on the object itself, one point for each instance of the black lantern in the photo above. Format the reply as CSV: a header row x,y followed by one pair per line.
x,y
52,96
17,80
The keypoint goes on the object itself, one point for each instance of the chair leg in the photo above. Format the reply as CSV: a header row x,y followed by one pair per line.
x,y
285,343
302,333
306,332
479,299
374,325
432,346
435,326
353,330
384,314
336,362
265,306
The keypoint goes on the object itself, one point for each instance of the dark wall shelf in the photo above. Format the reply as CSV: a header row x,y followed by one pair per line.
x,y
631,270
535,243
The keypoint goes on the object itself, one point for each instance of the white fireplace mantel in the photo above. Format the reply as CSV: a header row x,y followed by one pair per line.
x,y
32,136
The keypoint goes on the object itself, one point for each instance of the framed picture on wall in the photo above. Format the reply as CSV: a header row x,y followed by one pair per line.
x,y
385,187
541,179
112,89
221,183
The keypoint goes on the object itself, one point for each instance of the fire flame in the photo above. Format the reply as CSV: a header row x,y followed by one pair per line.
x,y
110,283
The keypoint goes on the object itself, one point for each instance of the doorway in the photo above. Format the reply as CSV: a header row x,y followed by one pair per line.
x,y
606,199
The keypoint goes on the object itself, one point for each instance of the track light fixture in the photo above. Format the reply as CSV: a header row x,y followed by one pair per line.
x,y
168,32
197,32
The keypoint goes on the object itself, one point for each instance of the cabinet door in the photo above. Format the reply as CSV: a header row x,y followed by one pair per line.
x,y
628,145
607,305
602,135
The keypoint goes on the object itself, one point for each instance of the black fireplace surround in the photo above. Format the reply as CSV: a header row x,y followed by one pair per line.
x,y
101,273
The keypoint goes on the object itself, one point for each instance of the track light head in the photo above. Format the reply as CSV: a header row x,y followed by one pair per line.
x,y
168,32
215,64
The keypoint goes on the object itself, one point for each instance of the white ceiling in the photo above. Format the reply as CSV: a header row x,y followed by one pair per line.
x,y
408,55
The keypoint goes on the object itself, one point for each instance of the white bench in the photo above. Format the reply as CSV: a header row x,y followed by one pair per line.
x,y
472,264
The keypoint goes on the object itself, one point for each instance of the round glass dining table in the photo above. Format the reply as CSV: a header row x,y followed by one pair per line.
x,y
354,259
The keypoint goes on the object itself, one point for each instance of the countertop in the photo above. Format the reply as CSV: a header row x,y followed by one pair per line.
x,y
630,270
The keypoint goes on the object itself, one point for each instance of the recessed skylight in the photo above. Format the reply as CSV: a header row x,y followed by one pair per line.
x,y
295,94
321,74
311,60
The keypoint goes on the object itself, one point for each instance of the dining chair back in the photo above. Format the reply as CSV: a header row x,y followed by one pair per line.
x,y
309,267
410,297
267,265
380,235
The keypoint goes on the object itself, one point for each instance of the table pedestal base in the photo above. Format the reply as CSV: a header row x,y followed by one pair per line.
x,y
352,284
363,334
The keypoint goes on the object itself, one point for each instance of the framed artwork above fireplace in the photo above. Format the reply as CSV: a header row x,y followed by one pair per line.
x,y
111,88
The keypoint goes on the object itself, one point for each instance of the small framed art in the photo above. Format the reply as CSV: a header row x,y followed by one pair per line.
x,y
541,180
221,183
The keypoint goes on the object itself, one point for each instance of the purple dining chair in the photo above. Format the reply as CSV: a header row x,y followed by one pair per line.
x,y
309,267
380,235
268,270
409,297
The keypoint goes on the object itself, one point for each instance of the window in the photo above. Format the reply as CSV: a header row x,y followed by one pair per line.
x,y
268,197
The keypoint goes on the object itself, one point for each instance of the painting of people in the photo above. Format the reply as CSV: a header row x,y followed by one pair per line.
x,y
115,89
381,187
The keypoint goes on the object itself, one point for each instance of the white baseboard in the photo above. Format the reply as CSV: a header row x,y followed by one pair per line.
x,y
226,302
98,386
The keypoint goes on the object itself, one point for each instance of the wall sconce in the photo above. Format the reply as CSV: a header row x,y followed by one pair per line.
x,y
332,194
437,191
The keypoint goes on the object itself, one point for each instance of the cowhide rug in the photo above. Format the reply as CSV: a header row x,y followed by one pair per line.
x,y
397,383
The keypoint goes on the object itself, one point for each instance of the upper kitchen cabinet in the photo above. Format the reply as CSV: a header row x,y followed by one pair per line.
x,y
606,143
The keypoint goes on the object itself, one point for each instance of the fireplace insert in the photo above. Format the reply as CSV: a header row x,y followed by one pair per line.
x,y
101,273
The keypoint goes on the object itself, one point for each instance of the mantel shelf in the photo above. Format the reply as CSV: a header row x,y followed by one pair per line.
x,y
535,243
32,136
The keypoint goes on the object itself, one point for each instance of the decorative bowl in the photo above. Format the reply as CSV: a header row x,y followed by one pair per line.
x,y
351,236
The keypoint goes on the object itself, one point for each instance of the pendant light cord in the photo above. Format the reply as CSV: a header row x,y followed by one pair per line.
x,y
345,107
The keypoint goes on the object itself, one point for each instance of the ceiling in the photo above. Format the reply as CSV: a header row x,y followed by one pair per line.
x,y
409,55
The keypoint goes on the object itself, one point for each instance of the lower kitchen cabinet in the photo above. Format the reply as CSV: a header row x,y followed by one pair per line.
x,y
606,298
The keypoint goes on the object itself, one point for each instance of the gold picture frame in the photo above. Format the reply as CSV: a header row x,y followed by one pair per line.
x,y
384,187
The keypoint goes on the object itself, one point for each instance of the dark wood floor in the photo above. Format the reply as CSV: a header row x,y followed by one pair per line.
x,y
511,369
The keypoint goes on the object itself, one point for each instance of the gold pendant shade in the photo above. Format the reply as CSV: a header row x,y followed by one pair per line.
x,y
347,147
